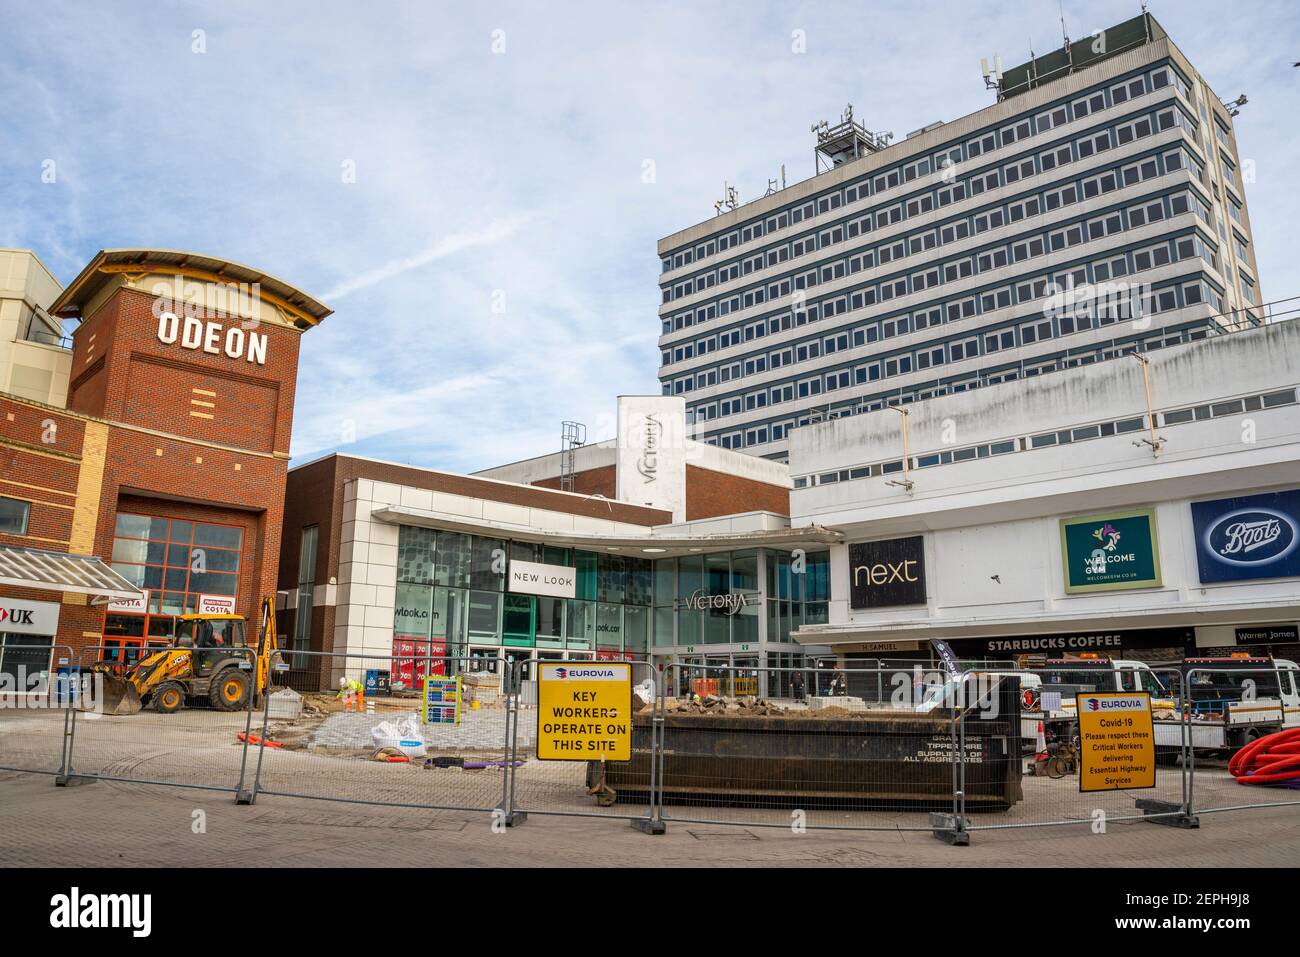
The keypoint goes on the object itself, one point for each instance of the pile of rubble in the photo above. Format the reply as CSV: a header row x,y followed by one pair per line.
x,y
713,704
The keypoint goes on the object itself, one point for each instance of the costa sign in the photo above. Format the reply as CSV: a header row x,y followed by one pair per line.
x,y
885,573
1253,536
214,338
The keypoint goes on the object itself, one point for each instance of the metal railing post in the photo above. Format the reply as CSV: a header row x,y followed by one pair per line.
x,y
261,748
653,823
242,796
510,671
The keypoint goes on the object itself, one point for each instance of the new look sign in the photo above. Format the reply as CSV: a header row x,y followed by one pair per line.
x,y
1254,536
532,578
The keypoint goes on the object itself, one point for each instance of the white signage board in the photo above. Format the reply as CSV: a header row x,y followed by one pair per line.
x,y
651,465
135,606
532,578
216,605
18,617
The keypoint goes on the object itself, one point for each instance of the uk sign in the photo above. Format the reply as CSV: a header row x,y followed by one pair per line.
x,y
1250,537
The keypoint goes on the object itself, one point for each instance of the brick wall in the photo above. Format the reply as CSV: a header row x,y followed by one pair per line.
x,y
190,435
314,496
710,494
40,461
186,392
598,481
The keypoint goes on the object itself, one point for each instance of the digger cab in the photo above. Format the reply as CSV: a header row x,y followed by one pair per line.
x,y
212,638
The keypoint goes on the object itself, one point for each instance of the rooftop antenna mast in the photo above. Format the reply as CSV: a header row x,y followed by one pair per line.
x,y
846,141
573,435
730,199
772,186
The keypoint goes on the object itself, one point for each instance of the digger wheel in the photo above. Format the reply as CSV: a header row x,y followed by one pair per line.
x,y
229,691
168,698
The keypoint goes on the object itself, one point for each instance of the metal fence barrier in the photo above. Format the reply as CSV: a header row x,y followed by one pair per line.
x,y
862,748
1229,708
572,788
386,745
201,745
881,748
35,710
1051,751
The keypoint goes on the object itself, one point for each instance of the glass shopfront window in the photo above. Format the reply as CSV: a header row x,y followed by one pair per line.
x,y
451,594
176,562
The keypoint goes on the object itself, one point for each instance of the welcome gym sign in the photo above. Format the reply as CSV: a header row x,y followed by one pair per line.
x,y
889,572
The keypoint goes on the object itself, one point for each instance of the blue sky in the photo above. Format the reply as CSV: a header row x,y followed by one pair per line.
x,y
493,266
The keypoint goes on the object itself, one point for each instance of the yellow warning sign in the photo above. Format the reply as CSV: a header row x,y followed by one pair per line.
x,y
584,711
1116,742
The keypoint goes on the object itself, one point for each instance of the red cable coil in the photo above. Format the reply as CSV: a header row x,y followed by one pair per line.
x,y
1272,759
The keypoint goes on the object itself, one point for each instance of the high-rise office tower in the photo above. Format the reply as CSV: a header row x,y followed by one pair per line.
x,y
1096,208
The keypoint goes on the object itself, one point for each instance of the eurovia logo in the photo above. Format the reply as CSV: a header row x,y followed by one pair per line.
x,y
588,673
1094,704
1256,536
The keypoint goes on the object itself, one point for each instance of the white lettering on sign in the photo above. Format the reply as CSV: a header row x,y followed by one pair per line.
x,y
138,605
212,338
884,572
700,600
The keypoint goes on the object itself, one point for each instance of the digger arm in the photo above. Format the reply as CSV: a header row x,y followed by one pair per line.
x,y
267,644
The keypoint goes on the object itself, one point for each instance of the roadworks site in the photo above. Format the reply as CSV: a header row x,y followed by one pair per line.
x,y
329,749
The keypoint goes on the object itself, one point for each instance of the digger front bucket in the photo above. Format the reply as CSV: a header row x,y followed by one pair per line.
x,y
120,696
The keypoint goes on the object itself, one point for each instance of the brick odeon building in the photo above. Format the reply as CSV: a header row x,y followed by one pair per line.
x,y
144,474
143,463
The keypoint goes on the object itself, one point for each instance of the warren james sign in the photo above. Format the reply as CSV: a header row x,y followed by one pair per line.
x,y
1250,537
889,572
1110,552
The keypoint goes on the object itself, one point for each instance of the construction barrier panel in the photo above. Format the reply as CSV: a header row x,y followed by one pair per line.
x,y
396,731
35,707
544,780
1104,767
798,748
1243,724
200,745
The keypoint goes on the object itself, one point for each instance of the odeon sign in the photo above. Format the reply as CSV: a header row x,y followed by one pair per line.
x,y
213,338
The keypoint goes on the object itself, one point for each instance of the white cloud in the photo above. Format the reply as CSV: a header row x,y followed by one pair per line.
x,y
447,246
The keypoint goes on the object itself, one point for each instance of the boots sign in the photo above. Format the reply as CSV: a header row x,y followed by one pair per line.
x,y
888,572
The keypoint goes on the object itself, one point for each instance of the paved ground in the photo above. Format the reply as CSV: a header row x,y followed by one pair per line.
x,y
110,823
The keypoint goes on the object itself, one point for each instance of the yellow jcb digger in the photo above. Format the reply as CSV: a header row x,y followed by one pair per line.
x,y
210,659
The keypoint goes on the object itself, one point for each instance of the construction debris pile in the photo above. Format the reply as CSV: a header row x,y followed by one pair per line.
x,y
714,704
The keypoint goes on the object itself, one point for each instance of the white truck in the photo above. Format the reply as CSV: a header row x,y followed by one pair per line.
x,y
1230,700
